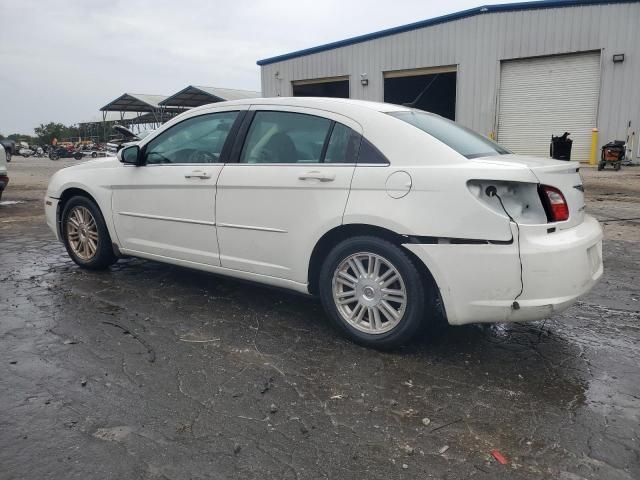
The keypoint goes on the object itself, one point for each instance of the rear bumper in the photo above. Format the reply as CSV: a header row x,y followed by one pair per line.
x,y
51,214
479,283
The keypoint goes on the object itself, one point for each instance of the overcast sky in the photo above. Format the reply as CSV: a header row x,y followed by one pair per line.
x,y
63,60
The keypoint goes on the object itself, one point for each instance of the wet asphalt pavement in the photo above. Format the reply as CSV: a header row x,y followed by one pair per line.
x,y
156,372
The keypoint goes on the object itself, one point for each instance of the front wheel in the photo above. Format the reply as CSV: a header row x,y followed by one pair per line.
x,y
373,292
85,234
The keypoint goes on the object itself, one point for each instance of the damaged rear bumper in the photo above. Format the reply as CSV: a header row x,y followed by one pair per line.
x,y
479,283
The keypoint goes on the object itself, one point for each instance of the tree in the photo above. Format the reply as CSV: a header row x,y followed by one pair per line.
x,y
18,137
46,133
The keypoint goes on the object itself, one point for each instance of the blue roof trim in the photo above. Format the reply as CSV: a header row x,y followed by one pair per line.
x,y
505,7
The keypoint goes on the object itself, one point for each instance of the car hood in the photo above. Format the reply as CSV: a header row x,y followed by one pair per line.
x,y
102,162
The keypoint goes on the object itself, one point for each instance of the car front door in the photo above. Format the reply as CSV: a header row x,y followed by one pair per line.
x,y
287,183
165,208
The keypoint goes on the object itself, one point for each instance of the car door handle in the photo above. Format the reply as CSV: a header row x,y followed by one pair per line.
x,y
323,177
198,174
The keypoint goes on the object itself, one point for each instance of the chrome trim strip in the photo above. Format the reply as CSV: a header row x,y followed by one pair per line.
x,y
170,219
249,227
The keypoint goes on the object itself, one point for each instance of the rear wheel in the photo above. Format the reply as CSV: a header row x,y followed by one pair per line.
x,y
85,234
373,292
600,166
617,165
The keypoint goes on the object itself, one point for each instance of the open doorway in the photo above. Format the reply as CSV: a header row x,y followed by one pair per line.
x,y
429,89
329,87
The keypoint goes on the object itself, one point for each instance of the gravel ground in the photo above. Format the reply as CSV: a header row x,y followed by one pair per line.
x,y
156,372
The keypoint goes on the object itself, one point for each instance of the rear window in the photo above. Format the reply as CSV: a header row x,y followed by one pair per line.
x,y
464,141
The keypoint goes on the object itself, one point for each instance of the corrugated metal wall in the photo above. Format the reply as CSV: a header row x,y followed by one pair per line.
x,y
477,45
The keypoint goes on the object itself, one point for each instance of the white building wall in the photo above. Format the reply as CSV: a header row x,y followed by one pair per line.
x,y
477,45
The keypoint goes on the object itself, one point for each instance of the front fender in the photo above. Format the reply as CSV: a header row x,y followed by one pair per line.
x,y
92,183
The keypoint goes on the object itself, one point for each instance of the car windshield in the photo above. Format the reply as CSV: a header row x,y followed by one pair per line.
x,y
464,141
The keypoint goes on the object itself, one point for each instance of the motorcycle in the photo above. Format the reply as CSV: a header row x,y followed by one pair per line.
x,y
56,153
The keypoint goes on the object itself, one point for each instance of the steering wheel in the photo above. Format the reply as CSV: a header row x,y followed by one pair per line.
x,y
201,156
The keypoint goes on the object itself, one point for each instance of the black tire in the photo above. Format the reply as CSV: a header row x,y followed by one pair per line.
x,y
94,155
8,157
77,156
600,166
414,318
617,166
103,256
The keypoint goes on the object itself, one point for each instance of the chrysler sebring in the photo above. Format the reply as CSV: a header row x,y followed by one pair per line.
x,y
395,218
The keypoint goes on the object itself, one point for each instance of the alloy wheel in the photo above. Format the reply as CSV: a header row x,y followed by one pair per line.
x,y
82,233
369,293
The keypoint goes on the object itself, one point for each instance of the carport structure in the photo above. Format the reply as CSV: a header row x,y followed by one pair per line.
x,y
194,96
147,109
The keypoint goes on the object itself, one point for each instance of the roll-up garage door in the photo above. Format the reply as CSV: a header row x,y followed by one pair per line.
x,y
337,87
549,95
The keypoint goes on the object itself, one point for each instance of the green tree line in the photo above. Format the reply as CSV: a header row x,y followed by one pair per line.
x,y
45,133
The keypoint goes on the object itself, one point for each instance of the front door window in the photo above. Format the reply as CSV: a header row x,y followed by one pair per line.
x,y
195,140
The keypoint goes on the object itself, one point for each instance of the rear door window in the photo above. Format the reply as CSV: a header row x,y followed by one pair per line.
x,y
285,137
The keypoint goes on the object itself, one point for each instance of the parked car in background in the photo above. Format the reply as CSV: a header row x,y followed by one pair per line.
x,y
4,174
25,152
124,137
394,217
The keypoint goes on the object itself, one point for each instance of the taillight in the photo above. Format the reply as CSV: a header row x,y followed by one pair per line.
x,y
554,204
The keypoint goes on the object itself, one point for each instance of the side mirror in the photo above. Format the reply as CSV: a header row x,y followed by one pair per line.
x,y
130,155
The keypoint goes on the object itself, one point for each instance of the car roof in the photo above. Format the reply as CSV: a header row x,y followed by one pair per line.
x,y
344,106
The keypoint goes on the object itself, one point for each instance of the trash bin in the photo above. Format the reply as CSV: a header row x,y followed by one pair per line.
x,y
560,148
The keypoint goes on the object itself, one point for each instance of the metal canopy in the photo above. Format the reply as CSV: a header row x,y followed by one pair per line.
x,y
134,102
194,96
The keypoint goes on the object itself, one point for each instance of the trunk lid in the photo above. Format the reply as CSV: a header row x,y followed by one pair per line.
x,y
565,176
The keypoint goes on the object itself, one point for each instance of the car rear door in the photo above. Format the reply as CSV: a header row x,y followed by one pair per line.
x,y
287,185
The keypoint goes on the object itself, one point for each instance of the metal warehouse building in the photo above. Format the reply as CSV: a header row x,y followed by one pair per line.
x,y
517,72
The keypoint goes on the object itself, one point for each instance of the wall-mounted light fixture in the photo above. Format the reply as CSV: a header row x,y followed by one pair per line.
x,y
618,58
364,81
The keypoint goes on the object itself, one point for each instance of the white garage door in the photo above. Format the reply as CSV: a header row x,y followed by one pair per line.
x,y
549,95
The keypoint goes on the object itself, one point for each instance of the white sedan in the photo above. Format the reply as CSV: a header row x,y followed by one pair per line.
x,y
394,217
